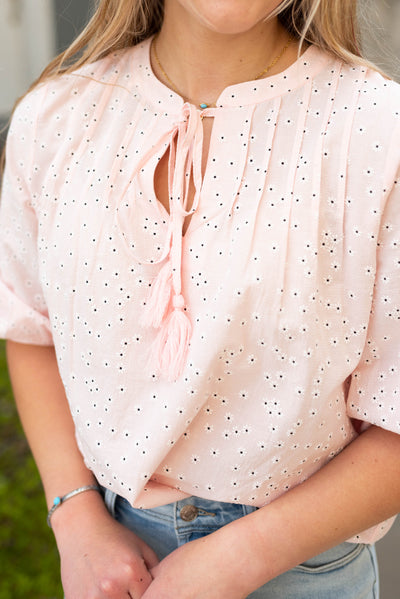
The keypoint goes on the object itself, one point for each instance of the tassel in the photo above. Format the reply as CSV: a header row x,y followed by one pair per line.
x,y
159,298
173,341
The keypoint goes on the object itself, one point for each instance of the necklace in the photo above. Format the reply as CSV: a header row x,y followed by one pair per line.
x,y
204,105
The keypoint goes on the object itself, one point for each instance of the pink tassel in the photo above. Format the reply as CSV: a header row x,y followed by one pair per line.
x,y
173,341
159,298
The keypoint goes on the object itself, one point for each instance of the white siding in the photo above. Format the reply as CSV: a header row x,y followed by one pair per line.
x,y
27,43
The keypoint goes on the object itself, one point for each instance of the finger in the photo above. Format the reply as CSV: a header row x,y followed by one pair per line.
x,y
150,557
138,587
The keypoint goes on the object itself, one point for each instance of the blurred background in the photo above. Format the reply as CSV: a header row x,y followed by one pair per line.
x,y
31,33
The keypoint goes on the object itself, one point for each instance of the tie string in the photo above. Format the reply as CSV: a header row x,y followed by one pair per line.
x,y
166,307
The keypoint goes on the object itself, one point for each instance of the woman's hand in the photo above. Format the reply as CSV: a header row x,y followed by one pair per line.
x,y
100,558
208,568
331,506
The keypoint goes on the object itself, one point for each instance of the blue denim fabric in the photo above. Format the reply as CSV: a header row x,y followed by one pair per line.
x,y
348,571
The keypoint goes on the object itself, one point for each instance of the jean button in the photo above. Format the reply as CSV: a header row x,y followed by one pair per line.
x,y
189,512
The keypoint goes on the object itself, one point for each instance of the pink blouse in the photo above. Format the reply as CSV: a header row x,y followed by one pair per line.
x,y
286,283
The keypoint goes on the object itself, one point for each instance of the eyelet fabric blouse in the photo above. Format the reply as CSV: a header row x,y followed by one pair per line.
x,y
289,271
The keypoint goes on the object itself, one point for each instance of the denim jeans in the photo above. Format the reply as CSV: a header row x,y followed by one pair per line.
x,y
348,571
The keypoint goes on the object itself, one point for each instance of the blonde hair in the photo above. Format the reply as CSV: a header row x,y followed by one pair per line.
x,y
330,24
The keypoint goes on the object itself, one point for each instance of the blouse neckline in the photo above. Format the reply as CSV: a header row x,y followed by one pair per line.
x,y
310,63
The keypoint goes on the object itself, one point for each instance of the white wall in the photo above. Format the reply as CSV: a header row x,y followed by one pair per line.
x,y
27,43
382,34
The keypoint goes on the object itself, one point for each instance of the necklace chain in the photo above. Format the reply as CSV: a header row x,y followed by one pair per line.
x,y
204,105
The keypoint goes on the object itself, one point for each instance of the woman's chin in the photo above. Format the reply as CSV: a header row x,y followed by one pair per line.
x,y
235,17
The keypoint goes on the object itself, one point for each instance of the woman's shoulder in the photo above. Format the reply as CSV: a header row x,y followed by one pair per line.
x,y
368,103
343,80
73,98
374,141
91,80
376,91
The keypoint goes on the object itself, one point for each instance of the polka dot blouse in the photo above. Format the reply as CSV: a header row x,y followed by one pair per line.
x,y
287,278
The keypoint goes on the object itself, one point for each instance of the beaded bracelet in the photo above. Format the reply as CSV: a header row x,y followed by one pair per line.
x,y
58,501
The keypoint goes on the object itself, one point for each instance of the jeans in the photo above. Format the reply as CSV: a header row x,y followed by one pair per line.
x,y
348,571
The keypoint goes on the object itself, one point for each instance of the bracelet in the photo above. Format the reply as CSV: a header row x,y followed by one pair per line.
x,y
58,501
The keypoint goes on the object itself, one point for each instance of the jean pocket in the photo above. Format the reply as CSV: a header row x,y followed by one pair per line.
x,y
333,559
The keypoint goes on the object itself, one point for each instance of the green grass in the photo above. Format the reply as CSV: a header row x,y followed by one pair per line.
x,y
29,565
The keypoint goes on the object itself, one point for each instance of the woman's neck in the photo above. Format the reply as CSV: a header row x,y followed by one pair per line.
x,y
200,62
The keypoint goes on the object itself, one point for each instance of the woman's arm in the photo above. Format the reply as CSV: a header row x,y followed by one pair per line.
x,y
44,413
359,488
99,557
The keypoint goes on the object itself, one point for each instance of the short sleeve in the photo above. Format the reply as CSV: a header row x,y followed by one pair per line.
x,y
23,312
374,394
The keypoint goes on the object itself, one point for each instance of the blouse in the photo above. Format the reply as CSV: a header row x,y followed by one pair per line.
x,y
287,279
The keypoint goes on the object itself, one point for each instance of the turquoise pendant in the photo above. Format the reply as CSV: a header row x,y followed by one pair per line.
x,y
203,106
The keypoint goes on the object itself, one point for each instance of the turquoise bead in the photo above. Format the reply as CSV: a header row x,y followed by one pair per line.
x,y
57,501
203,106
